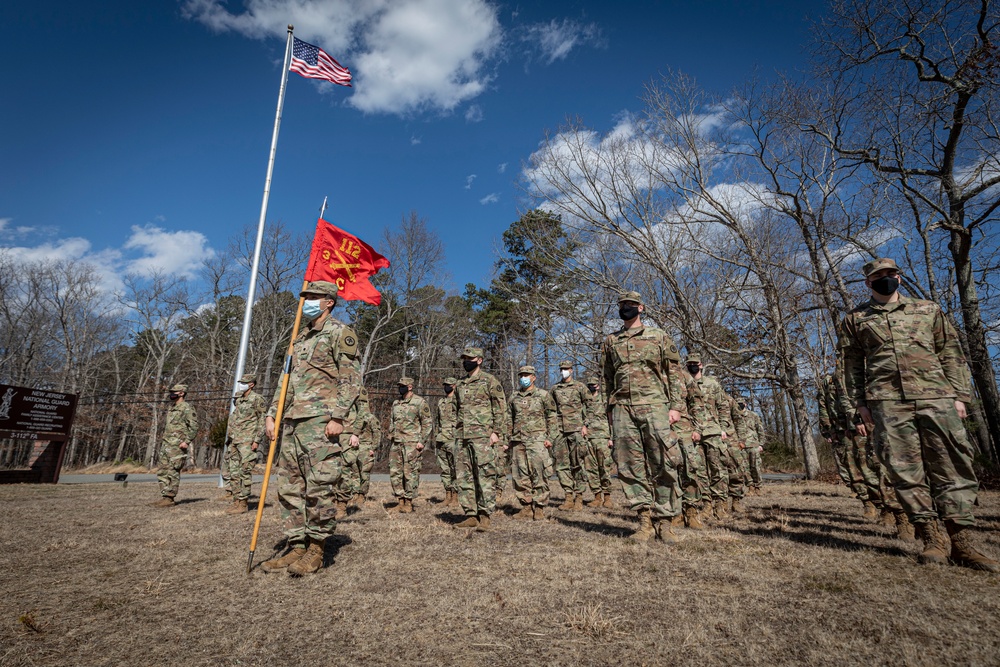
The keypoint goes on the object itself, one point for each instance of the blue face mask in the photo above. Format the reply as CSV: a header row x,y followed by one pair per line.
x,y
311,309
525,382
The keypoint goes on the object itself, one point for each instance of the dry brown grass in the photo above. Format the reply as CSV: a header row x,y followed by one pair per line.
x,y
94,576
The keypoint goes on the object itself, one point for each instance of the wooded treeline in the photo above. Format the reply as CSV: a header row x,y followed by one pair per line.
x,y
742,217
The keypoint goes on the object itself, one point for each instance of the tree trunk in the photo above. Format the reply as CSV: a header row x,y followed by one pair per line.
x,y
804,431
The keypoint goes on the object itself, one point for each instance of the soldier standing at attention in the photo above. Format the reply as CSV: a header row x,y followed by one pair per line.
x,y
481,409
597,463
644,400
533,429
751,433
694,478
831,427
739,472
444,442
246,430
714,434
181,427
409,428
358,473
905,373
570,447
324,383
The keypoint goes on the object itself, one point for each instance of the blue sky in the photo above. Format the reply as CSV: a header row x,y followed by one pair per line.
x,y
135,134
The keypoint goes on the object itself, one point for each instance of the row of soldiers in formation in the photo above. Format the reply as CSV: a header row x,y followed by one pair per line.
x,y
680,444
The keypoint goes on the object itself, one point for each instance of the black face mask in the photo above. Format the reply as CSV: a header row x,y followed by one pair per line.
x,y
448,388
173,397
469,365
885,285
628,312
693,369
743,406
592,388
403,390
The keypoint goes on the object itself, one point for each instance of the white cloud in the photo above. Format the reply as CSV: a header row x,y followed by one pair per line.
x,y
468,181
4,222
474,114
556,39
491,198
415,141
502,167
407,55
174,253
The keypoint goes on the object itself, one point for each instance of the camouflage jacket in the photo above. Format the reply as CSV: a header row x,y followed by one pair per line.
x,y
246,423
182,424
368,429
901,351
750,428
694,417
480,406
597,415
836,414
325,377
570,398
636,368
532,416
715,403
410,420
445,420
735,418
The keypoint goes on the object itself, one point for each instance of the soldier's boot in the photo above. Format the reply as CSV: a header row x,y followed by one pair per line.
x,y
340,510
226,497
871,512
607,500
664,529
887,518
719,509
165,501
598,500
525,512
402,507
904,529
691,518
578,503
239,507
311,560
358,500
484,523
738,507
962,551
538,513
935,550
677,521
567,504
454,499
646,529
470,522
277,564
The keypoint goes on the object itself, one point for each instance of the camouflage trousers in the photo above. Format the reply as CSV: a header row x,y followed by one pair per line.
x,y
855,466
241,458
404,469
716,462
445,453
739,471
169,473
230,463
649,457
358,470
926,452
476,472
310,466
754,464
692,472
528,460
862,473
569,451
597,464
839,451
504,457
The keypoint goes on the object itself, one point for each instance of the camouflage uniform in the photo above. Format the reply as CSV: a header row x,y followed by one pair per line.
x,y
570,448
324,384
359,464
694,475
739,469
851,448
751,433
481,410
182,426
246,428
717,412
409,425
597,463
533,422
642,388
831,427
444,441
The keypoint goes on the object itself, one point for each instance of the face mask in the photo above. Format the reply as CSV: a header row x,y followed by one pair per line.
x,y
565,373
743,406
628,312
592,388
311,309
241,387
448,388
525,382
403,391
885,285
469,365
172,396
693,369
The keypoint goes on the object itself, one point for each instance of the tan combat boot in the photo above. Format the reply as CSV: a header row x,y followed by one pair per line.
x,y
484,523
538,513
664,529
567,504
470,522
578,503
239,507
598,500
359,500
402,507
904,529
962,551
607,500
340,510
871,512
719,509
935,550
646,529
525,512
691,518
165,501
311,561
887,518
277,564
738,507
677,521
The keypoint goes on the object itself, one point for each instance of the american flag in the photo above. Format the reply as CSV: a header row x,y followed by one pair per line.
x,y
313,62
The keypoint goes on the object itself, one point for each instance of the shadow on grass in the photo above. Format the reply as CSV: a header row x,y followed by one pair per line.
x,y
252,505
824,540
593,527
186,501
452,516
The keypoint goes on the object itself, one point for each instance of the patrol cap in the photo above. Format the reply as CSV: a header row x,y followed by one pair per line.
x,y
321,287
179,388
630,296
693,359
879,264
247,378
594,380
450,380
405,380
526,370
473,352
566,364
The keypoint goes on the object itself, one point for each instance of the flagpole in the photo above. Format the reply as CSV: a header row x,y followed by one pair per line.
x,y
255,265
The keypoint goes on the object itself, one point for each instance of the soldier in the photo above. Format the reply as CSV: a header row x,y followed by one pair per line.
x,y
694,478
324,383
409,428
246,430
444,442
714,434
739,472
570,447
830,426
905,373
532,432
181,427
644,399
358,473
481,409
752,434
597,463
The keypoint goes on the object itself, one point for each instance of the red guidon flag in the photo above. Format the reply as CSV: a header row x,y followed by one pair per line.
x,y
344,259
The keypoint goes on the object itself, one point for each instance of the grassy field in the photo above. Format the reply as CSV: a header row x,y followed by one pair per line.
x,y
94,576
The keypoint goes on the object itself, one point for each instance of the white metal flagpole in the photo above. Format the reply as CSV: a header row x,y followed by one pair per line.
x,y
248,312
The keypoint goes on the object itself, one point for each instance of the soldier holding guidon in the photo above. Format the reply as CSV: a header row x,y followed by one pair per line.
x,y
246,431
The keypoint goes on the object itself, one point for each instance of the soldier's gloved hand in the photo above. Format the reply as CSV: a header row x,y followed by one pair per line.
x,y
355,441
